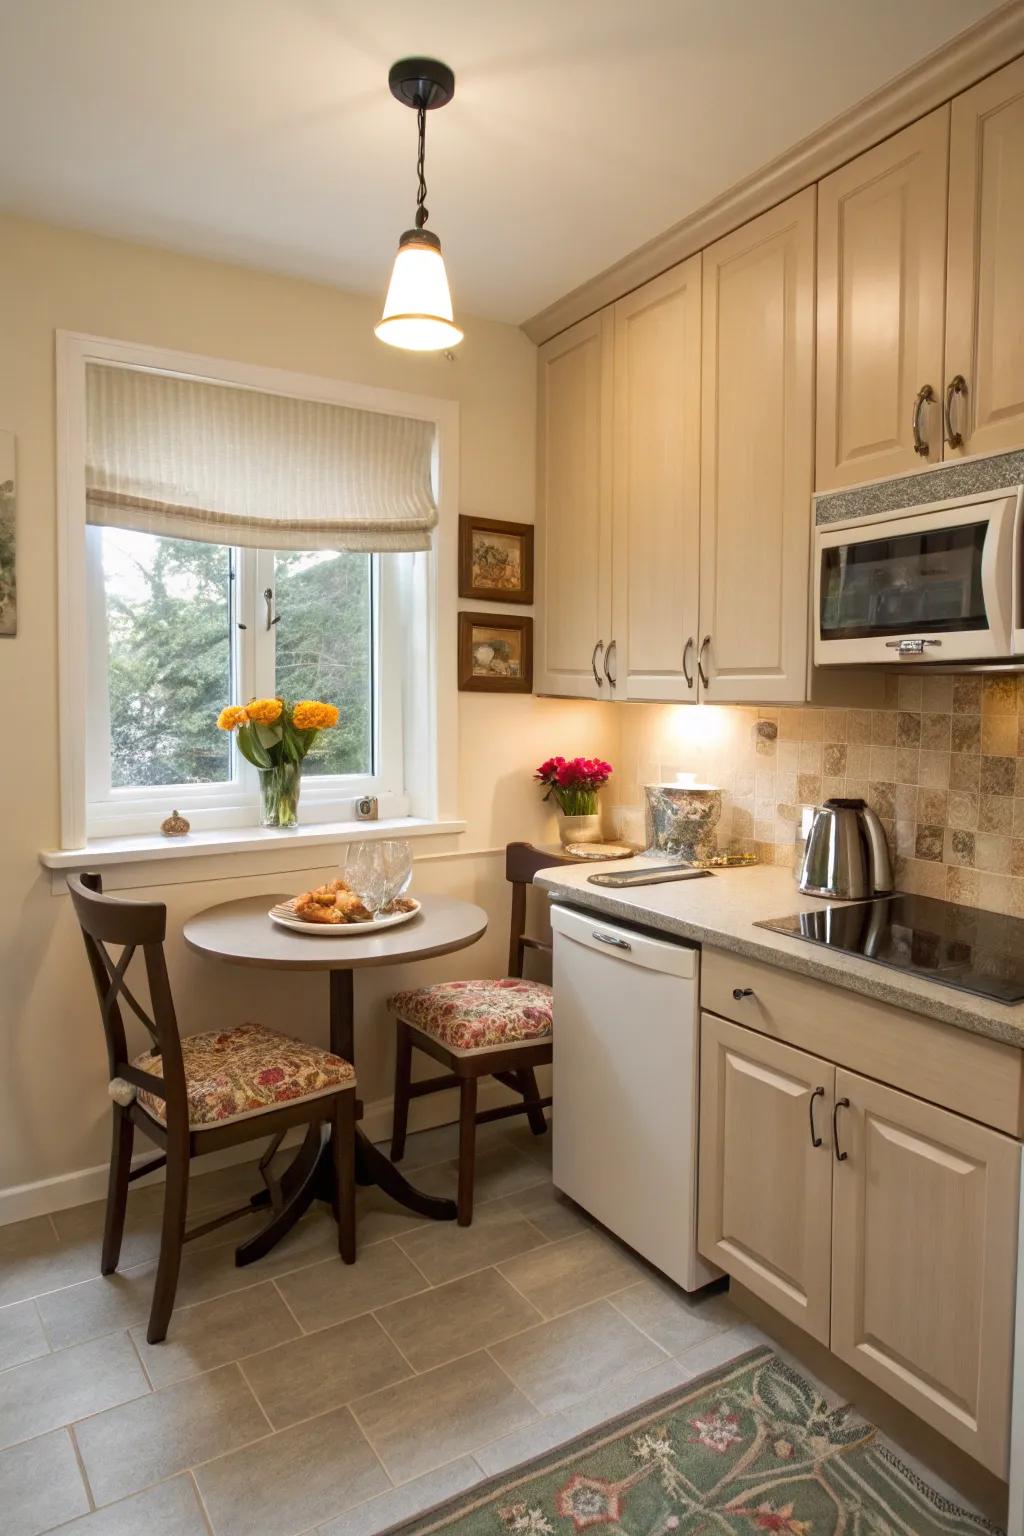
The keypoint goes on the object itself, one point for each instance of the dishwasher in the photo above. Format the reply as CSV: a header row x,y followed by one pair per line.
x,y
626,1073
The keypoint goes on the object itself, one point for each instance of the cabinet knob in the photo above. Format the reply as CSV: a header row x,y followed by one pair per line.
x,y
739,993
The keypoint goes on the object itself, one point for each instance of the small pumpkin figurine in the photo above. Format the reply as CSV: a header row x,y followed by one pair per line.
x,y
175,825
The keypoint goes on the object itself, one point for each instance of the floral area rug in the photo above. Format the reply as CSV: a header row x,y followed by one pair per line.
x,y
749,1448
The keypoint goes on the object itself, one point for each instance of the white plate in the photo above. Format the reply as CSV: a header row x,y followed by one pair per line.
x,y
285,917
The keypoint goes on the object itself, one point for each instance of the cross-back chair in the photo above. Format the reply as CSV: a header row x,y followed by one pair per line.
x,y
493,1028
199,1093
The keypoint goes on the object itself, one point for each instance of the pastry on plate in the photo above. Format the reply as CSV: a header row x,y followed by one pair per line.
x,y
330,904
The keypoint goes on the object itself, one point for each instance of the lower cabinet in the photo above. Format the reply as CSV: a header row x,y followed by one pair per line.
x,y
884,1226
765,1188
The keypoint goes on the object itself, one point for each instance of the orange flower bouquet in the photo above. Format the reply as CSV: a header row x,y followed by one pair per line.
x,y
275,736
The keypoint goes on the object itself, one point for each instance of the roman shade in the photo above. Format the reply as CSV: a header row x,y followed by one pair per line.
x,y
195,460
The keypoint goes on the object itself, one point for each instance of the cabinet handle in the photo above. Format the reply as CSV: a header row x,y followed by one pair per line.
x,y
819,1093
837,1106
923,396
613,939
607,658
700,659
956,386
687,648
739,993
598,679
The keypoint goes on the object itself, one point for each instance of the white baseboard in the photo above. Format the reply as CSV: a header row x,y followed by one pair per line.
x,y
85,1184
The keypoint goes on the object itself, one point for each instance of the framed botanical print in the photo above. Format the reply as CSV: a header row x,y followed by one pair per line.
x,y
495,653
495,560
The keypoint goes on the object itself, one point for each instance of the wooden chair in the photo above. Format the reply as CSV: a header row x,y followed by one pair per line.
x,y
199,1093
477,1029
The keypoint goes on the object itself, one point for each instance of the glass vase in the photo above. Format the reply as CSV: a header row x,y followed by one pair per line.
x,y
279,795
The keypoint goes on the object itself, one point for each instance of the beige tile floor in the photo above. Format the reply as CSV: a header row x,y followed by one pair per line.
x,y
302,1395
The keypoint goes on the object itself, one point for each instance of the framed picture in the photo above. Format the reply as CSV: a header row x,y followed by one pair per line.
x,y
495,560
8,498
495,653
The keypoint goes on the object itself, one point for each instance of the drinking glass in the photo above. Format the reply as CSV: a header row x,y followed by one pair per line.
x,y
363,873
396,862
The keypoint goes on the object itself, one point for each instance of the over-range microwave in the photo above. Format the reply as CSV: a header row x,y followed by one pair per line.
x,y
935,583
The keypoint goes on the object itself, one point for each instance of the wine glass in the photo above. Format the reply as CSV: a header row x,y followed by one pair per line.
x,y
396,862
364,874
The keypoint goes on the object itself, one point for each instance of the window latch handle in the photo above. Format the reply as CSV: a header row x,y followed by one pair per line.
x,y
272,617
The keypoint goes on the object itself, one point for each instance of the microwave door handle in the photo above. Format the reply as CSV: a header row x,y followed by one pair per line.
x,y
997,573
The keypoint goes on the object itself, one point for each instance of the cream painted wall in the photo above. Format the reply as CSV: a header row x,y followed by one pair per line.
x,y
53,1108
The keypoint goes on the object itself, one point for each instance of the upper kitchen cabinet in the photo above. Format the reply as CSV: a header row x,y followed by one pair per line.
x,y
881,296
574,511
656,470
757,391
985,283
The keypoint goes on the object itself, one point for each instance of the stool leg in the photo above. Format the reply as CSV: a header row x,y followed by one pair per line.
x,y
343,1143
534,1113
172,1236
403,1079
467,1149
117,1189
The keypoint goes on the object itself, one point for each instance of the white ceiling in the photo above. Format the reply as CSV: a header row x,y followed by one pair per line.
x,y
263,131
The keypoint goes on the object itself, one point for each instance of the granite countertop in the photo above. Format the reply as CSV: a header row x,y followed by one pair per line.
x,y
722,910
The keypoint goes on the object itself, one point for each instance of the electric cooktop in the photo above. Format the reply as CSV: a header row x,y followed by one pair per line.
x,y
980,952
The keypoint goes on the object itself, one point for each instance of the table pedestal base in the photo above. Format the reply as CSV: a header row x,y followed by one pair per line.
x,y
310,1174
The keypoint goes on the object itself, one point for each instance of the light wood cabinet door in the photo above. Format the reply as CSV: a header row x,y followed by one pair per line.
x,y
757,390
574,510
924,1261
764,1189
656,516
881,298
985,282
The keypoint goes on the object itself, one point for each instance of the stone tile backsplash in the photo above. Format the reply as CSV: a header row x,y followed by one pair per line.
x,y
942,763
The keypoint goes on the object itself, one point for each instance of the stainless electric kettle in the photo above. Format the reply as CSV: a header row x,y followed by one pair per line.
x,y
846,855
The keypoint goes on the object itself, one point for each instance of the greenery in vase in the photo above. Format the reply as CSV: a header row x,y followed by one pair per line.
x,y
573,783
273,733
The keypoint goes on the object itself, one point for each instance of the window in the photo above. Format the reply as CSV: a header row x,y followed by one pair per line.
x,y
229,532
179,627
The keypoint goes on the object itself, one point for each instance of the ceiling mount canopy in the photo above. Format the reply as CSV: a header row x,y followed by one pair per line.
x,y
418,308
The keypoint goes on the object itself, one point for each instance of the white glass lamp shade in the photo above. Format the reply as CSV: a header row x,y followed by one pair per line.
x,y
418,309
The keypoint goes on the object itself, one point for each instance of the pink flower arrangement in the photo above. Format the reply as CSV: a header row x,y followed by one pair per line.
x,y
574,782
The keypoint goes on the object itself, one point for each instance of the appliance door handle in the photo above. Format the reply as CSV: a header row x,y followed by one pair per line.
x,y
700,660
837,1106
609,652
612,939
598,679
687,648
819,1093
956,386
924,395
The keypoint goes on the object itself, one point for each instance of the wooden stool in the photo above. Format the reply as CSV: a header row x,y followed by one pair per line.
x,y
477,1029
196,1094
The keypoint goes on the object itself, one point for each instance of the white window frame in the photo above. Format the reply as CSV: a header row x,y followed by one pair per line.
x,y
416,768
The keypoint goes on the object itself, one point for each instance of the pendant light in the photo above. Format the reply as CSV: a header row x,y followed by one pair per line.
x,y
418,309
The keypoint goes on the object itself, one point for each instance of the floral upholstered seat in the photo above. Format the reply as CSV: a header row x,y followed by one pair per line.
x,y
475,1015
233,1073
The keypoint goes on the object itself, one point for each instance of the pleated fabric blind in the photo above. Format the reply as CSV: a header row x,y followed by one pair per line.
x,y
224,465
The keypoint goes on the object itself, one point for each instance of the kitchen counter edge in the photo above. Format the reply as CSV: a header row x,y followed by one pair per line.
x,y
997,1021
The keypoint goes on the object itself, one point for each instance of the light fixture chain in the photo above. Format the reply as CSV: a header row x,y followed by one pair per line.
x,y
422,212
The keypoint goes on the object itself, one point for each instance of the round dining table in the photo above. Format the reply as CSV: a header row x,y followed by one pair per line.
x,y
242,933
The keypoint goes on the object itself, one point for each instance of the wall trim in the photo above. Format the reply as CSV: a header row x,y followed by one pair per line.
x,y
960,63
82,1185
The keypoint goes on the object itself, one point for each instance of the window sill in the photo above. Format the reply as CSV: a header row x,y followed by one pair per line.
x,y
103,852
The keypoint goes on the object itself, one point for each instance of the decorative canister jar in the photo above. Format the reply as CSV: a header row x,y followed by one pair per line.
x,y
681,820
